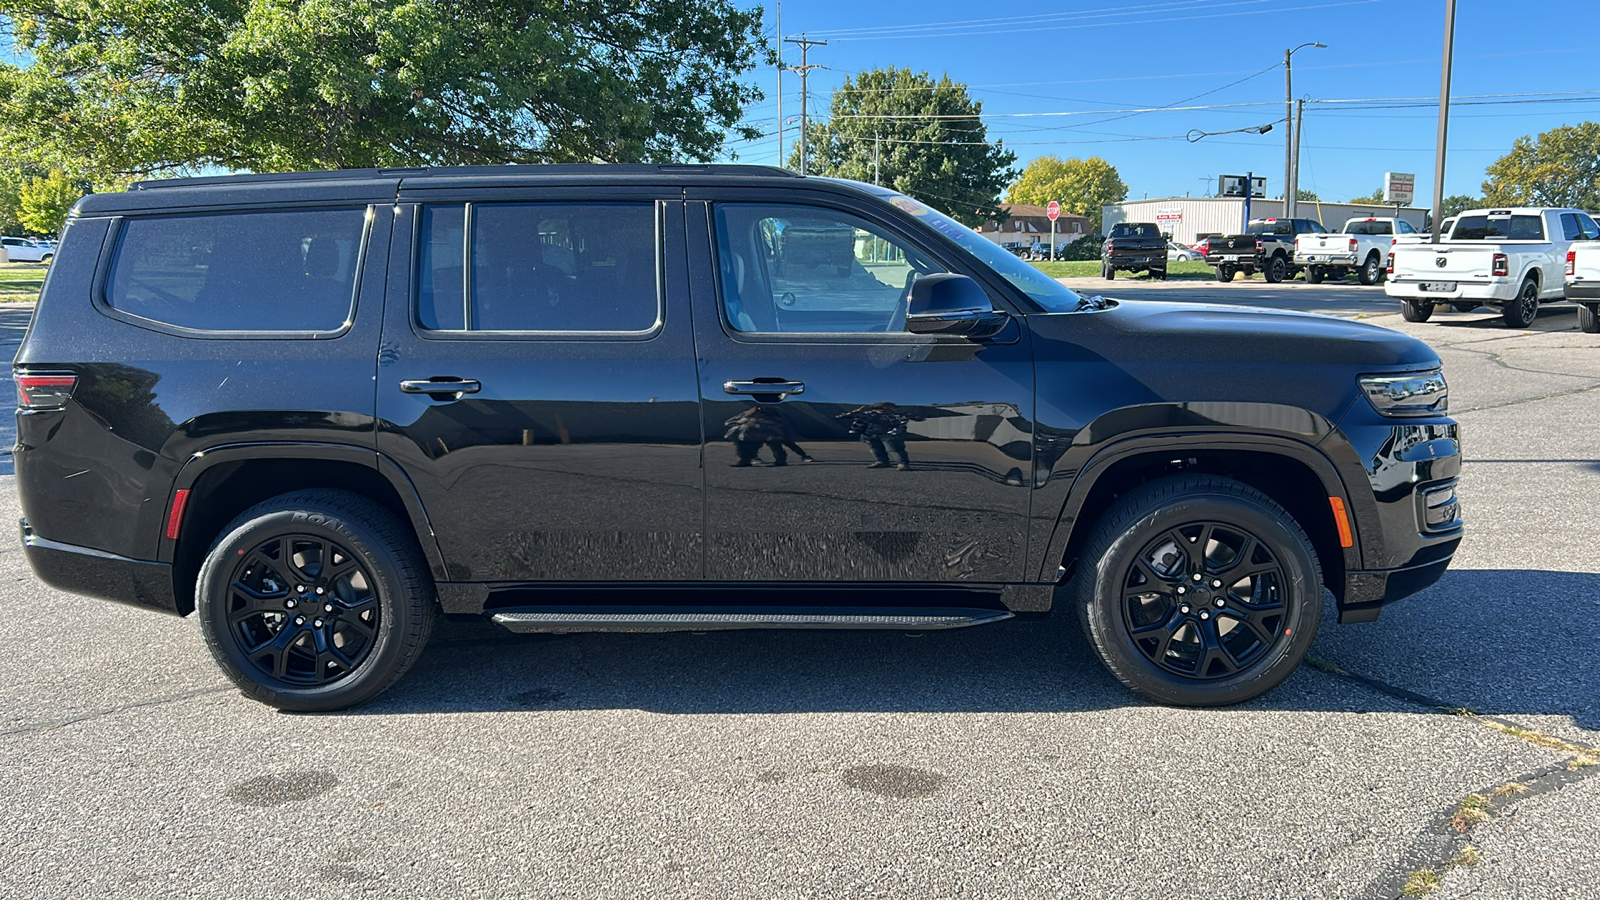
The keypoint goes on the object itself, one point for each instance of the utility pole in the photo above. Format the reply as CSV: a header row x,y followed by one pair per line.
x,y
1288,136
780,85
877,149
1294,169
804,68
1444,118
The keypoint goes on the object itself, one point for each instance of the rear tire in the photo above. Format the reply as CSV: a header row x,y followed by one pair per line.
x,y
1225,273
1158,274
1589,318
1416,310
315,600
1109,273
1371,271
1520,311
1276,269
1251,591
1314,275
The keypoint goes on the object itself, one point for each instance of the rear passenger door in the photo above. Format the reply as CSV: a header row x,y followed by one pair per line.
x,y
537,382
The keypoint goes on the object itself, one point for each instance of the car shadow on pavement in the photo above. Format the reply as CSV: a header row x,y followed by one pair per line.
x,y
1500,642
1548,318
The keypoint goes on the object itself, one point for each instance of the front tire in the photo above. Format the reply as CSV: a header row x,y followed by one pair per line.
x,y
1520,311
315,600
1199,591
1416,310
1589,318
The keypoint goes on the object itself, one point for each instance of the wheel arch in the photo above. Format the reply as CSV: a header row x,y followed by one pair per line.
x,y
1295,475
225,481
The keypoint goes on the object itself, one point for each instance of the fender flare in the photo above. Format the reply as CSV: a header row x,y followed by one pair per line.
x,y
1174,442
205,460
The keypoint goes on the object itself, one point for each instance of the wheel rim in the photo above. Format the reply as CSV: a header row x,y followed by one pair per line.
x,y
302,610
1530,302
1278,267
1205,600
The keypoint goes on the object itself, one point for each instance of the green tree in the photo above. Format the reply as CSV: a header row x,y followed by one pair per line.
x,y
43,203
1082,186
10,201
1456,203
882,127
1376,197
129,87
1560,168
1304,196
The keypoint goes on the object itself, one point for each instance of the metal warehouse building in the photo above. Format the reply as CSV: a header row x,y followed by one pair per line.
x,y
1188,219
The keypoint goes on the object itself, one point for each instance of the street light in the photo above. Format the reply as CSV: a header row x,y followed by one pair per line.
x,y
1291,187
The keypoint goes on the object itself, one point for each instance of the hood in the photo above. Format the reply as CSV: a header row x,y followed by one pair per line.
x,y
1159,331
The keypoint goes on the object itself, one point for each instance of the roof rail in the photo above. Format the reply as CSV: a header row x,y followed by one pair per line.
x,y
481,171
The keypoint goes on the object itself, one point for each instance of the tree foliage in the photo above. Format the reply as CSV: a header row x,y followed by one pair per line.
x,y
43,203
10,200
1560,168
1456,203
130,87
1374,198
948,163
1304,196
1082,186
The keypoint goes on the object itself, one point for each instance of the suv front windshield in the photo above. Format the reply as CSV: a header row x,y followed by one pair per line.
x,y
1051,295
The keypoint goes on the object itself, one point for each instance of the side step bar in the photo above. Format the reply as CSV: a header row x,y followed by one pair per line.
x,y
731,618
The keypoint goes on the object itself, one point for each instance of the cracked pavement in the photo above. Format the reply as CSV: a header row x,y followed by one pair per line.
x,y
1000,761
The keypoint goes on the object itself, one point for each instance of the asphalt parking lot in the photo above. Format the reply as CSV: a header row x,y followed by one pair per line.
x,y
1455,735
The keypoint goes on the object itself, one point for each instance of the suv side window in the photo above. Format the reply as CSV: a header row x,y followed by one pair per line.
x,y
809,270
266,271
538,267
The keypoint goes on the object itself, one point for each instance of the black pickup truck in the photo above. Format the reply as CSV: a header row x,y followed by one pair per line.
x,y
1133,246
1267,245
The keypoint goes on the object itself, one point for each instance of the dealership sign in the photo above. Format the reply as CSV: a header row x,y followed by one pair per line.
x,y
1399,187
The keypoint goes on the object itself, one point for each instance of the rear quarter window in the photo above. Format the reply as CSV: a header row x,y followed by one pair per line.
x,y
261,271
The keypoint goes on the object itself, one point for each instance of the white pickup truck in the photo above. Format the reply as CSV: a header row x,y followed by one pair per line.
x,y
1511,258
1583,283
1362,246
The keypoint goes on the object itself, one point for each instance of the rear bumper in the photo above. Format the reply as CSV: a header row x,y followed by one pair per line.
x,y
1137,262
98,574
1586,292
1408,287
1325,259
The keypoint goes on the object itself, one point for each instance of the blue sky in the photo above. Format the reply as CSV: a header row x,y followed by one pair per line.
x,y
1086,56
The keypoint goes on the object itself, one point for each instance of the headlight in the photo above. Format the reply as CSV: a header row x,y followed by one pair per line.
x,y
1421,394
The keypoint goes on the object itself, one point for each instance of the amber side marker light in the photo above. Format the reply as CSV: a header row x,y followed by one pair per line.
x,y
1341,520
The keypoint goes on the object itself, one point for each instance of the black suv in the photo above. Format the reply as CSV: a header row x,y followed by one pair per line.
x,y
323,409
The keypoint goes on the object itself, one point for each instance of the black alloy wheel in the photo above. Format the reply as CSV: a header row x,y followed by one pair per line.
x,y
1413,310
1372,270
1277,269
1520,312
1203,591
315,600
1314,275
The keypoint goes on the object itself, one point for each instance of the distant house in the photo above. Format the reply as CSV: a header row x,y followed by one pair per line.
x,y
1026,224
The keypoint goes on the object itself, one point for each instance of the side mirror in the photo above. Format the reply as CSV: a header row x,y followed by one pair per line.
x,y
952,304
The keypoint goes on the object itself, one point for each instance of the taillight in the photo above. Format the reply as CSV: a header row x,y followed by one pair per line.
x,y
1502,264
1352,245
1390,267
1572,262
44,391
1259,245
1110,246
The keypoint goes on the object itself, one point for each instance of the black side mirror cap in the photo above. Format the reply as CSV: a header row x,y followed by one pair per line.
x,y
952,304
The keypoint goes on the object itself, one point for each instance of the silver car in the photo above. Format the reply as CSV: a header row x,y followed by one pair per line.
x,y
1177,252
25,250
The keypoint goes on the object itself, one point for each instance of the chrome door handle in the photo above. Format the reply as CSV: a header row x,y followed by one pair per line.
x,y
781,388
456,386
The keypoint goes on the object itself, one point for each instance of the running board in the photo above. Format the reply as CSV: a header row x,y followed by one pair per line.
x,y
732,618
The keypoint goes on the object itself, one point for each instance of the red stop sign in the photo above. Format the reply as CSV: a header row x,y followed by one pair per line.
x,y
1053,210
